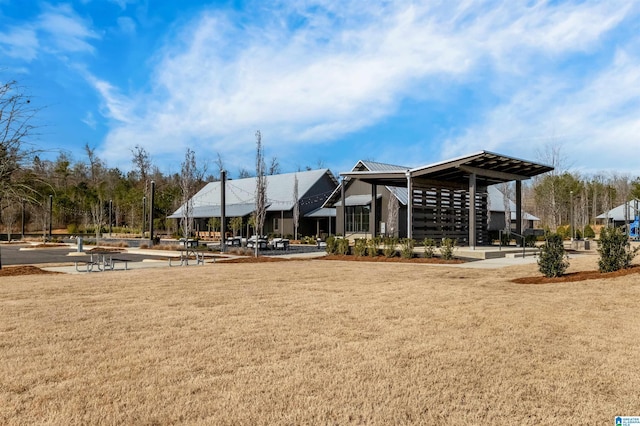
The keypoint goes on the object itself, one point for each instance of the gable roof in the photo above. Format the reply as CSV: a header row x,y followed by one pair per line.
x,y
373,166
241,194
617,213
496,204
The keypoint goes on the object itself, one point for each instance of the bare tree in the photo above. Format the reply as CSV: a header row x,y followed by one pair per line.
x,y
244,174
506,190
296,207
393,213
189,178
274,166
16,115
261,189
10,215
141,160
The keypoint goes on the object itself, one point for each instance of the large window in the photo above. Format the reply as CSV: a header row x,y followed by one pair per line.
x,y
358,218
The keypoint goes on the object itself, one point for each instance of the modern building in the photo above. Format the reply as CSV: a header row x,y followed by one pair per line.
x,y
445,199
314,187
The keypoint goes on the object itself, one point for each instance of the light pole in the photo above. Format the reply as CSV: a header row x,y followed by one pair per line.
x,y
110,216
50,215
573,233
144,214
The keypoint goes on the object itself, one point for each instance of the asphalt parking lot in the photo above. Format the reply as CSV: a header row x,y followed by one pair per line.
x,y
11,255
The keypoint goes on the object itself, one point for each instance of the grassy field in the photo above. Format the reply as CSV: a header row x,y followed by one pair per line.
x,y
318,342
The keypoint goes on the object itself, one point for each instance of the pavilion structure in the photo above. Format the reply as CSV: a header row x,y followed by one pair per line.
x,y
449,198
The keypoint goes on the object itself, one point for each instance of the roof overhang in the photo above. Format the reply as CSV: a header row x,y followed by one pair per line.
x,y
488,167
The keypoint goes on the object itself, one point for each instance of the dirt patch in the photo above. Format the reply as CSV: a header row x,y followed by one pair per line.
x,y
48,245
578,276
261,259
432,260
13,271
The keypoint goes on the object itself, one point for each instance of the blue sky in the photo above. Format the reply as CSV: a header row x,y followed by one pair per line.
x,y
330,82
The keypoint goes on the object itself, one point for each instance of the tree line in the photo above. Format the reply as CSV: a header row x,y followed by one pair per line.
x,y
87,195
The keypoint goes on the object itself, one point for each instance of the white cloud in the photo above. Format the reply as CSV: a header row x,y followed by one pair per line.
x,y
65,30
57,30
315,71
127,25
19,42
595,121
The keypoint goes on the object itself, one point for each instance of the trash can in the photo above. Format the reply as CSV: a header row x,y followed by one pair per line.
x,y
79,244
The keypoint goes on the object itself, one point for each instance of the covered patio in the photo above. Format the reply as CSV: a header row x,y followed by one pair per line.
x,y
448,199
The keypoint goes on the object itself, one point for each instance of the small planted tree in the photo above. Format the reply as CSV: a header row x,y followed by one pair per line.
x,y
389,246
447,248
236,225
615,250
406,248
429,247
552,261
372,246
360,247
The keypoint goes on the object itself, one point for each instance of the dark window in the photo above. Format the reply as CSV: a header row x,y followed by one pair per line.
x,y
358,218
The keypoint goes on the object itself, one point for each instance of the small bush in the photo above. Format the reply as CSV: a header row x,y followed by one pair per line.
x,y
360,247
332,245
552,261
564,232
406,248
530,240
429,247
389,246
615,250
447,247
342,246
372,246
588,232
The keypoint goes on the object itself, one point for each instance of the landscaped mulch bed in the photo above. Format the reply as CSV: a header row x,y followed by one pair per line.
x,y
13,271
261,259
350,258
578,276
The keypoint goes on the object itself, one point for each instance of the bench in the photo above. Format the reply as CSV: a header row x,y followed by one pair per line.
x,y
186,255
88,265
110,265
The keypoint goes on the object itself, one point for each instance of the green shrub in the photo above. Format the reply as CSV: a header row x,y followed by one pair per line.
x,y
406,248
389,246
360,247
429,247
588,232
552,261
530,240
447,247
343,246
372,246
332,245
615,250
564,232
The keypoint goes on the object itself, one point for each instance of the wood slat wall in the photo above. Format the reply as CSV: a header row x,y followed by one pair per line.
x,y
443,212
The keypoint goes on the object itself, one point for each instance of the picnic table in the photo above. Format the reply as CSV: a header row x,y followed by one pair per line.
x,y
102,259
189,251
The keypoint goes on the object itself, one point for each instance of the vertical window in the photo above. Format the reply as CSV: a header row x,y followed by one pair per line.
x,y
358,218
276,224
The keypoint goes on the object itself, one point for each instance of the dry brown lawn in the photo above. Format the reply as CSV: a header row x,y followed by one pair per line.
x,y
318,342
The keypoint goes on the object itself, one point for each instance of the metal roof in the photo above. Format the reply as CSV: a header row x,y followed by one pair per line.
x,y
233,210
322,212
241,192
617,213
496,204
490,169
